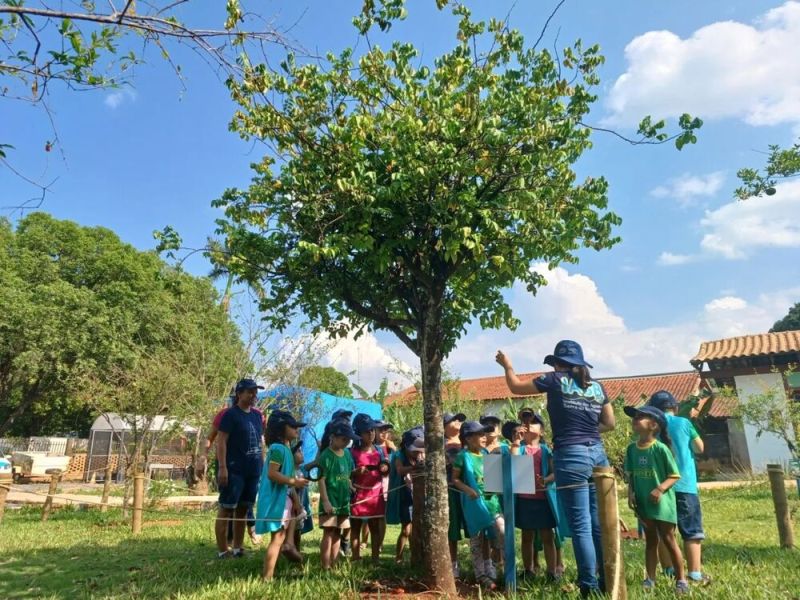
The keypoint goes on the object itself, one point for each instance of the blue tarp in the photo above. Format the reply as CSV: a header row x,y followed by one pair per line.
x,y
315,408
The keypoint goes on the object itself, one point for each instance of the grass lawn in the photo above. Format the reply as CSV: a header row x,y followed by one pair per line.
x,y
88,554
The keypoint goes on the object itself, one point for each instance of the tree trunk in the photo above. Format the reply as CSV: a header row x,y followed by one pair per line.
x,y
24,405
435,514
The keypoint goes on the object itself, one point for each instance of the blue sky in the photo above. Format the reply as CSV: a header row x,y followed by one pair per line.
x,y
693,265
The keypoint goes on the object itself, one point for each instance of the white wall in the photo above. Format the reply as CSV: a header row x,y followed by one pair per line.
x,y
768,448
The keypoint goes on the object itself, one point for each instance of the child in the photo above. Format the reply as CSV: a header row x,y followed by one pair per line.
x,y
335,467
277,497
481,512
385,447
305,525
452,446
536,514
368,503
652,473
493,436
402,463
685,442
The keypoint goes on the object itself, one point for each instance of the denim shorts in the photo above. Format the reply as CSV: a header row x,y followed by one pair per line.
x,y
690,517
240,491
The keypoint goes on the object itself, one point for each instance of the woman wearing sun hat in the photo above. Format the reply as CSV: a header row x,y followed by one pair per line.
x,y
579,412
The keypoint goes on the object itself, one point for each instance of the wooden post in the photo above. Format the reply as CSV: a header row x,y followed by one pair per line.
x,y
138,502
782,515
416,543
5,484
106,488
69,448
607,507
55,477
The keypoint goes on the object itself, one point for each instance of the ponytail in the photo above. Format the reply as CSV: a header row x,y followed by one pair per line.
x,y
663,435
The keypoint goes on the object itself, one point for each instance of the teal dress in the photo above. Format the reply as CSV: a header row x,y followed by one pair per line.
x,y
476,513
272,496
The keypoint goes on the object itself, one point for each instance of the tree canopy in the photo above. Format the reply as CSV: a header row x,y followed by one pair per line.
x,y
782,163
326,379
77,301
790,322
407,196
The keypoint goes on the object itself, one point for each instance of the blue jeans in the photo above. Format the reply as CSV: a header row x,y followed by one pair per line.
x,y
573,467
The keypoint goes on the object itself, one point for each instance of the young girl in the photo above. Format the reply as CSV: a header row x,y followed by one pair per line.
x,y
335,466
535,514
301,526
481,512
652,471
385,446
452,446
277,498
368,503
402,463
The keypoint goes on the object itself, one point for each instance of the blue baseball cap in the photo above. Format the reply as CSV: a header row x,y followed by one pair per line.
x,y
491,420
528,412
569,352
341,413
450,417
363,423
283,417
473,427
381,424
247,384
342,429
663,400
411,436
508,429
648,411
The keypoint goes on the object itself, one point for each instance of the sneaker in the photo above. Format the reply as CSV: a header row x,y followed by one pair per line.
x,y
456,571
490,570
487,583
526,575
223,555
553,577
669,572
701,580
682,587
238,553
648,585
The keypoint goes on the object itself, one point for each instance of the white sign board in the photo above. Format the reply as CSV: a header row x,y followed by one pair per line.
x,y
523,478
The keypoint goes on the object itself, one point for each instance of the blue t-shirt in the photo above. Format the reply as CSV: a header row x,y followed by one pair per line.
x,y
245,432
574,412
682,432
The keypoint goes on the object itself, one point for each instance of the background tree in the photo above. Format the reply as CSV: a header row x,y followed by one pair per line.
x,y
325,379
773,411
77,301
782,163
790,322
406,197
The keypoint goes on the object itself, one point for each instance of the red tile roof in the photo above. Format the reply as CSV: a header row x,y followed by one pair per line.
x,y
634,388
763,344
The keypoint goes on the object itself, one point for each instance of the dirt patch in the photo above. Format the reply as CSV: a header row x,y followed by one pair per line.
x,y
413,588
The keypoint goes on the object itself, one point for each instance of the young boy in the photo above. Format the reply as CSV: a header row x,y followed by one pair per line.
x,y
335,466
685,442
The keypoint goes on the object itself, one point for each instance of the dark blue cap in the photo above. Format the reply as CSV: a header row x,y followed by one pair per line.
x,y
648,411
490,420
341,413
381,424
247,384
450,417
473,427
569,352
411,436
508,429
342,429
363,423
283,417
663,400
532,414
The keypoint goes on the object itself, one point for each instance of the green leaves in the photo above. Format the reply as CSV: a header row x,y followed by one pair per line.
x,y
782,163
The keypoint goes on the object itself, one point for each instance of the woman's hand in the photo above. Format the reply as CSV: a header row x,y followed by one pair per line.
x,y
503,360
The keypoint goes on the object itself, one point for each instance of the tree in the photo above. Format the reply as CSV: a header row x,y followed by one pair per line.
x,y
326,379
773,411
406,197
790,322
782,163
78,301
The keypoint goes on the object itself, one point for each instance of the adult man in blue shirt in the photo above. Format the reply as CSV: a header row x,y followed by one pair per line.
x,y
240,453
685,443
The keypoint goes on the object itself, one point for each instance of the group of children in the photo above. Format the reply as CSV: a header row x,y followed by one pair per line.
x,y
365,483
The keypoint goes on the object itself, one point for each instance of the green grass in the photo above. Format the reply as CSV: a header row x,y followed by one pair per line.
x,y
88,554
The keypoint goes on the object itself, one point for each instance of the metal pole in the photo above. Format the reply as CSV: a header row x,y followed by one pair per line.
x,y
608,510
782,515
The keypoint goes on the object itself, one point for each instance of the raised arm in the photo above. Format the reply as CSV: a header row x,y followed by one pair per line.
x,y
514,383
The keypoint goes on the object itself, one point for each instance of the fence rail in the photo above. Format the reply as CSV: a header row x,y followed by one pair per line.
x,y
56,446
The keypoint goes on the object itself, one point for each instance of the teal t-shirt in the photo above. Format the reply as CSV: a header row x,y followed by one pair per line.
x,y
647,468
682,432
476,462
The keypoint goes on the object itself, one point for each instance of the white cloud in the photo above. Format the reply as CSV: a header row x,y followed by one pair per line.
x,y
724,70
571,307
668,259
686,188
116,98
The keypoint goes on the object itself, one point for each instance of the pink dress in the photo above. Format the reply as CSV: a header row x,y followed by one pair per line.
x,y
368,502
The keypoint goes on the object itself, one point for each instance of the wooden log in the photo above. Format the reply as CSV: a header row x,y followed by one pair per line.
x,y
106,488
782,516
608,509
5,485
138,503
55,477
